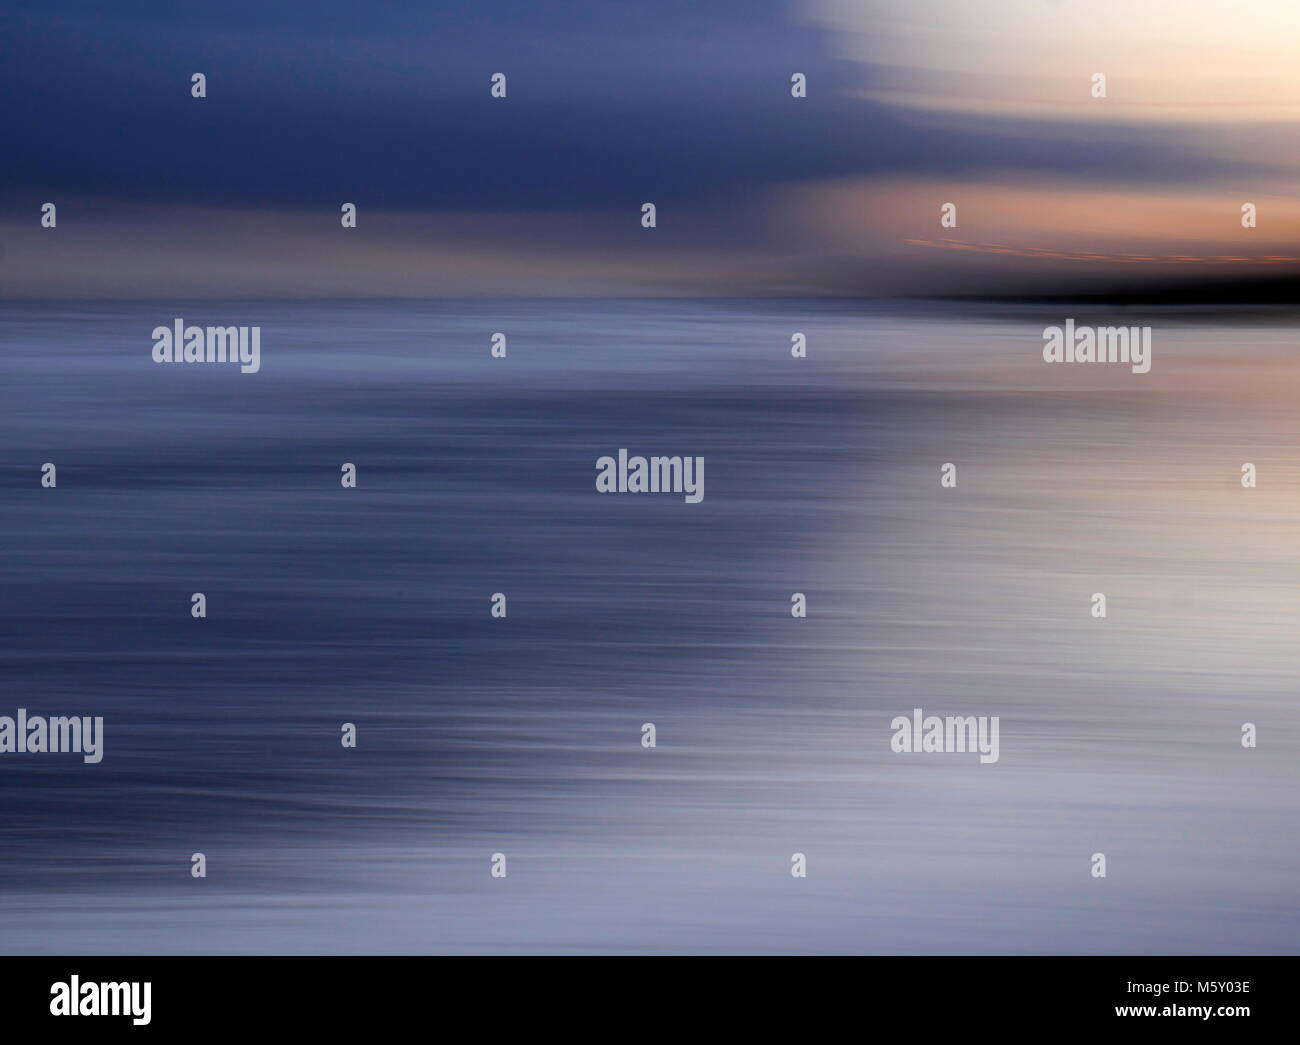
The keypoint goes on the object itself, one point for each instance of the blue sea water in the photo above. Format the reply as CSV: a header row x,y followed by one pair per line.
x,y
522,736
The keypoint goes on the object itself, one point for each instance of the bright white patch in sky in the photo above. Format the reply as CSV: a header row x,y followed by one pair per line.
x,y
1164,60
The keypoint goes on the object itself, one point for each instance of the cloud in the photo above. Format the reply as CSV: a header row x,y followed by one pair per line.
x,y
1165,61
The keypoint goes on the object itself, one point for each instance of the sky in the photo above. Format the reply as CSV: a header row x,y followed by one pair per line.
x,y
910,104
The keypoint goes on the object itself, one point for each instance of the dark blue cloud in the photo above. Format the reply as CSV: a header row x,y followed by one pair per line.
x,y
387,105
